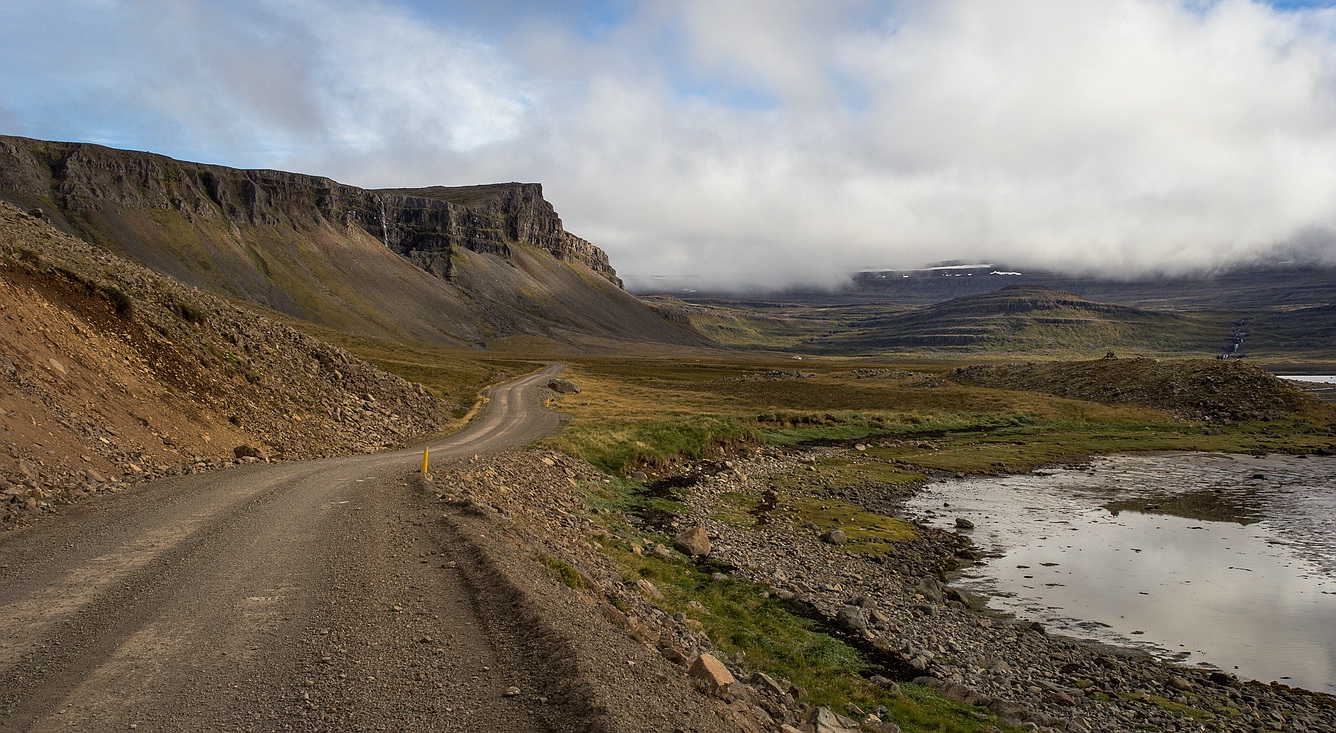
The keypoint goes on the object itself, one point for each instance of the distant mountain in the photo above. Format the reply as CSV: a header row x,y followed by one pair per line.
x,y
1303,328
1240,287
1023,319
469,266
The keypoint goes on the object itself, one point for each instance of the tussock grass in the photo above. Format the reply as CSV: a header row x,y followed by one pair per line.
x,y
868,532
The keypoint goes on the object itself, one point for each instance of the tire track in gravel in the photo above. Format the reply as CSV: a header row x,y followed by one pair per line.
x,y
306,596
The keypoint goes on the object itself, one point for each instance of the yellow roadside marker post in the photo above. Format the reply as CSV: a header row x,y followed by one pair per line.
x,y
425,453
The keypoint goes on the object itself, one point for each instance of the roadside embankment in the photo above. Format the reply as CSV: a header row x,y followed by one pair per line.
x,y
112,374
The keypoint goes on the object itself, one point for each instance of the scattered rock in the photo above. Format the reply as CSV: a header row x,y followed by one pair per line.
x,y
963,523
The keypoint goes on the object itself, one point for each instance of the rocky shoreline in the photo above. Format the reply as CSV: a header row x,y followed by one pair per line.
x,y
891,605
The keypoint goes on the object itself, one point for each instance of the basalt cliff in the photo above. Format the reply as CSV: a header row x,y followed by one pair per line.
x,y
470,265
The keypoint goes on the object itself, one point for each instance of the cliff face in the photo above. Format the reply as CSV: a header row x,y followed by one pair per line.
x,y
424,225
470,266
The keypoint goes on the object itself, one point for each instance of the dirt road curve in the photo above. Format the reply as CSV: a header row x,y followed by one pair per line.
x,y
324,595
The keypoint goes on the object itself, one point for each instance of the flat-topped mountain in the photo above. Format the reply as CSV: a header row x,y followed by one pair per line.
x,y
463,266
1029,318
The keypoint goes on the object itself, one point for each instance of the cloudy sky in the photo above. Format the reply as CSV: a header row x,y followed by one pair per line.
x,y
754,143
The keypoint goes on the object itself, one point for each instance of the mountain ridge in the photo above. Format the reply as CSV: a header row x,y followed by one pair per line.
x,y
466,266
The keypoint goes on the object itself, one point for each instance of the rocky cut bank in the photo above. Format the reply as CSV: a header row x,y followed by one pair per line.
x,y
112,374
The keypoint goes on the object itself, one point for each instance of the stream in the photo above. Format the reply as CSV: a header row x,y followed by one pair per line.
x,y
1224,561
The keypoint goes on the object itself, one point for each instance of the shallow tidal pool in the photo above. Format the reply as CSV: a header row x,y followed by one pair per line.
x,y
1217,560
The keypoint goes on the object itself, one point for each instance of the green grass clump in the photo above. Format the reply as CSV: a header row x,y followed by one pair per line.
x,y
641,411
795,428
1051,442
628,497
868,532
1168,705
619,446
565,573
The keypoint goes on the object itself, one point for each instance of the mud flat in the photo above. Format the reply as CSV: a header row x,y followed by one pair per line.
x,y
1218,561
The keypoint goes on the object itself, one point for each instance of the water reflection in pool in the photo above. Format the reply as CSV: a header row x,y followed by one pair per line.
x,y
1207,559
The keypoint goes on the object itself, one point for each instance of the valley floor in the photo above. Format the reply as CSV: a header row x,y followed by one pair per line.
x,y
530,590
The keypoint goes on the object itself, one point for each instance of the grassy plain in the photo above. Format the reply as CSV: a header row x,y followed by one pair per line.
x,y
649,413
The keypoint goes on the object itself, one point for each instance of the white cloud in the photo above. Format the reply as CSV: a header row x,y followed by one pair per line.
x,y
384,77
742,142
1123,135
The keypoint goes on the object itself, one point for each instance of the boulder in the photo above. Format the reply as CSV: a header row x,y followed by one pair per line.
x,y
835,537
28,470
1009,712
851,619
693,541
825,720
247,451
769,684
1180,684
712,672
930,588
886,683
649,589
563,386
963,523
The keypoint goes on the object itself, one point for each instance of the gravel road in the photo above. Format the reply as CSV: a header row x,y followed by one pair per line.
x,y
323,595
